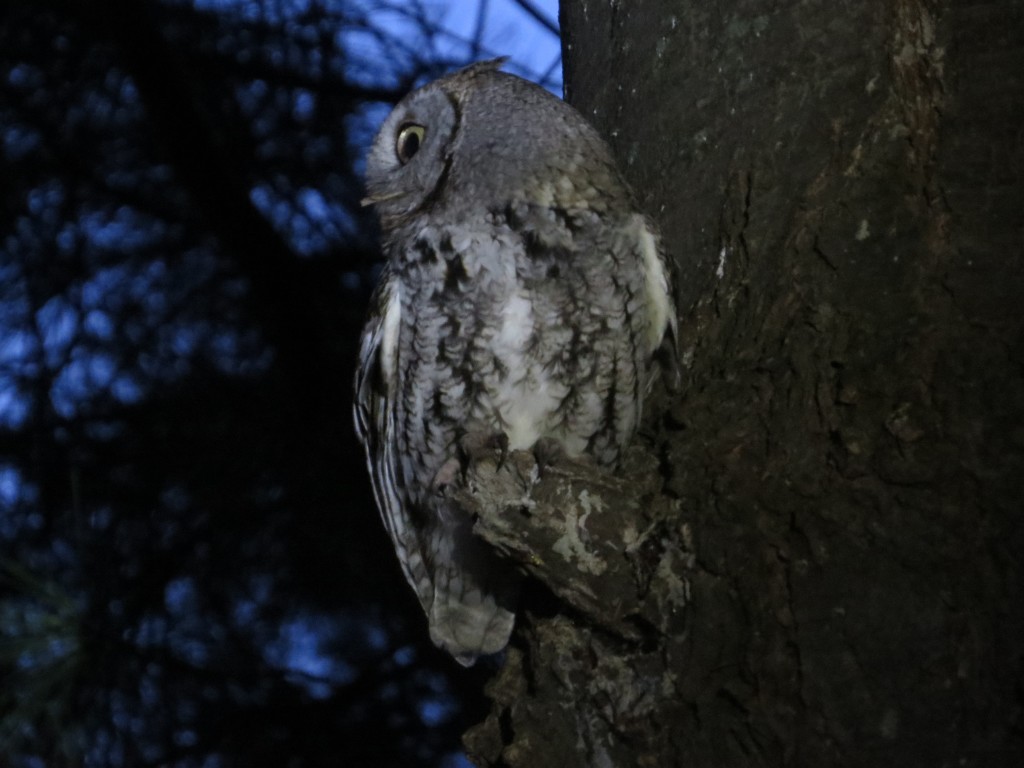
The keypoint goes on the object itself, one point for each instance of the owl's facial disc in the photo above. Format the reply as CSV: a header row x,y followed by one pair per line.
x,y
407,165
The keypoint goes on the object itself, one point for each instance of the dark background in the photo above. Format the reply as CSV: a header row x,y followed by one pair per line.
x,y
191,568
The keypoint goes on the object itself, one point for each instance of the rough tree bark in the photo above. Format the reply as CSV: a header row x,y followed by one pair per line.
x,y
813,555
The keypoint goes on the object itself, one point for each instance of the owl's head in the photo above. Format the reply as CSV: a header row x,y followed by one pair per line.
x,y
480,139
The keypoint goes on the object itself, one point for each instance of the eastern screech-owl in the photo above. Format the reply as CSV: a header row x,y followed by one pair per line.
x,y
523,295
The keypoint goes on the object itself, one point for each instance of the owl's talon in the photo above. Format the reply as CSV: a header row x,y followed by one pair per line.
x,y
500,442
478,445
548,451
446,475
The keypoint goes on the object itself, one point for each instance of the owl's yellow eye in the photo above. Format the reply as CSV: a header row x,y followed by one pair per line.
x,y
410,137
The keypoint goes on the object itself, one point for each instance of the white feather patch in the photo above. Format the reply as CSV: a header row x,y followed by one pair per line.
x,y
523,402
658,299
389,333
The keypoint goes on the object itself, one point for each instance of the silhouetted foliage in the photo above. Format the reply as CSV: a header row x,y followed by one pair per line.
x,y
192,571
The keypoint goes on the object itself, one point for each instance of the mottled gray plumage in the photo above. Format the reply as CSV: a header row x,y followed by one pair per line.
x,y
523,295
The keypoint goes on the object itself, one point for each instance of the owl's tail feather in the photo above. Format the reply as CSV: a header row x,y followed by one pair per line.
x,y
473,627
473,608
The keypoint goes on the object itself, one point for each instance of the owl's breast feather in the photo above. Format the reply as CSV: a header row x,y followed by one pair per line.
x,y
524,398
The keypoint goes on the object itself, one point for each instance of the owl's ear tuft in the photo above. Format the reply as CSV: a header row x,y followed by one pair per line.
x,y
482,67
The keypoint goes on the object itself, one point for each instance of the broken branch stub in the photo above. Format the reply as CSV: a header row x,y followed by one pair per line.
x,y
579,528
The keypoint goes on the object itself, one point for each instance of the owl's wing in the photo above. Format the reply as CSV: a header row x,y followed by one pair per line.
x,y
376,386
466,594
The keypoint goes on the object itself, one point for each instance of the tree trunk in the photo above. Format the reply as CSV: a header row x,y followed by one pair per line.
x,y
812,556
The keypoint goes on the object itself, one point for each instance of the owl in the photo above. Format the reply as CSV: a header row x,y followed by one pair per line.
x,y
523,297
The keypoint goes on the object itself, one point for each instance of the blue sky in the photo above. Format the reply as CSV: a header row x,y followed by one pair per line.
x,y
509,30
470,29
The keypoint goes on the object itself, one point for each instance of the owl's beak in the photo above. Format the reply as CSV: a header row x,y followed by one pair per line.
x,y
374,199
